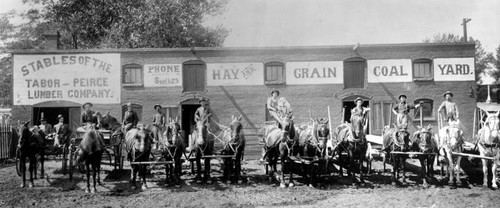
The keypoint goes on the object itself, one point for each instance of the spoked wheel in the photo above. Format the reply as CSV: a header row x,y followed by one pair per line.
x,y
18,161
72,158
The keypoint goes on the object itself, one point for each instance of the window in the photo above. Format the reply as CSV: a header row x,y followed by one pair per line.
x,y
132,74
193,76
427,107
422,70
354,73
135,107
274,73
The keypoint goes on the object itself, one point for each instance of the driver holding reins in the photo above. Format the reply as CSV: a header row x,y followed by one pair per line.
x,y
88,115
204,111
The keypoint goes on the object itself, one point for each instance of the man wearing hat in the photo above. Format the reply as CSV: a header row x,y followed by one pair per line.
x,y
359,110
277,106
62,130
204,110
159,122
45,127
401,110
450,108
130,119
88,115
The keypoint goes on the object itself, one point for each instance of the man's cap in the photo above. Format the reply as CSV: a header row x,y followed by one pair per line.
x,y
448,93
157,105
59,116
277,91
129,104
400,96
87,103
358,98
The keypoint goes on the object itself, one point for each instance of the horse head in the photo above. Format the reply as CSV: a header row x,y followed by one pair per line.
x,y
288,126
452,136
402,139
491,127
24,134
357,126
236,128
174,132
322,132
201,130
423,139
143,139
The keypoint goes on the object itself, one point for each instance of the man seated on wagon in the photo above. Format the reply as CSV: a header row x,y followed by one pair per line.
x,y
158,118
278,107
130,119
63,132
45,127
401,110
359,110
449,107
88,115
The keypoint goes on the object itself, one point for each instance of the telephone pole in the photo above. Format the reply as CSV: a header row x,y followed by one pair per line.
x,y
464,23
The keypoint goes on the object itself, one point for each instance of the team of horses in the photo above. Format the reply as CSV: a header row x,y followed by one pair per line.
x,y
281,142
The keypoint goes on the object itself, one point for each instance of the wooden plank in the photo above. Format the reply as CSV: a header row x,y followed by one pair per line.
x,y
471,155
411,153
217,156
152,163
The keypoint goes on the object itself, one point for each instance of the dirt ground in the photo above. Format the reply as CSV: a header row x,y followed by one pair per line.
x,y
56,190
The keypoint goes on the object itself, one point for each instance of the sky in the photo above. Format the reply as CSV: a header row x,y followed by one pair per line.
x,y
254,23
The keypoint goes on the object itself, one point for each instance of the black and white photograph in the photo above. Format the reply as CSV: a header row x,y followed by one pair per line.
x,y
249,103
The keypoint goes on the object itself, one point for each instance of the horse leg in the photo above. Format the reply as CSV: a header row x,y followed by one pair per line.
x,y
198,166
403,163
394,169
485,173
494,175
423,167
32,169
42,161
282,175
177,168
95,174
143,169
207,177
23,170
457,173
133,176
237,167
361,178
87,165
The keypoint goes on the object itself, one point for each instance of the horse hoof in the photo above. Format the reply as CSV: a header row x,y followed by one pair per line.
x,y
31,185
494,187
87,190
393,183
133,187
311,186
178,186
282,185
209,181
228,181
144,187
291,185
199,181
240,182
94,190
23,185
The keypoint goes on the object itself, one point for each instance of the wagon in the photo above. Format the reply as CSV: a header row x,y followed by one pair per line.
x,y
113,150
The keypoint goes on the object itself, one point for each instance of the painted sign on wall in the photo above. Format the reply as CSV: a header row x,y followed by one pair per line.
x,y
454,69
70,77
235,74
320,72
389,70
162,75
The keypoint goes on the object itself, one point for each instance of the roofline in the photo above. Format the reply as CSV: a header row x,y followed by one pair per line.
x,y
121,50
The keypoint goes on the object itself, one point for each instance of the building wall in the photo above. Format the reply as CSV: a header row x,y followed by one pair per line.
x,y
249,101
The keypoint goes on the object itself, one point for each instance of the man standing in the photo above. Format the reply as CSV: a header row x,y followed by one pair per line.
x,y
158,118
401,110
204,111
88,115
45,127
130,119
450,108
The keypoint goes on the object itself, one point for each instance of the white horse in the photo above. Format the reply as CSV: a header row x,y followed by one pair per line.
x,y
489,146
450,139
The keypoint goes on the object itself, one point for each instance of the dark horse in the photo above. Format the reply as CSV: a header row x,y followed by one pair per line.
x,y
138,146
108,122
91,149
424,143
202,144
395,139
312,144
352,139
30,144
278,143
174,148
234,144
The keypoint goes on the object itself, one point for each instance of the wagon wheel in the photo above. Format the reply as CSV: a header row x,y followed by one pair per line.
x,y
18,161
71,161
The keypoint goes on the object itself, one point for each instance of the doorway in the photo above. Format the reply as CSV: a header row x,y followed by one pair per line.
x,y
71,115
187,117
348,104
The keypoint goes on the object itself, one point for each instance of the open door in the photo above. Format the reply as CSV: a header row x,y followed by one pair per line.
x,y
380,115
